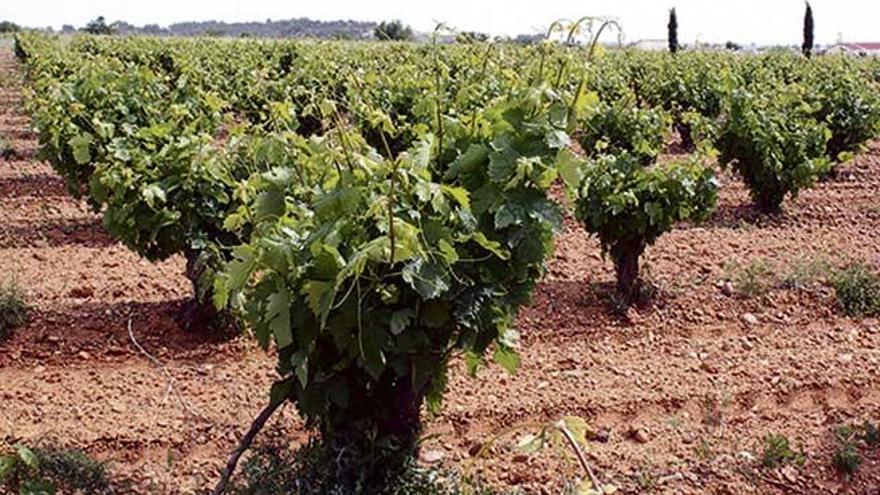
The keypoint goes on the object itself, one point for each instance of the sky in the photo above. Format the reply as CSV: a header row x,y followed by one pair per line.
x,y
741,21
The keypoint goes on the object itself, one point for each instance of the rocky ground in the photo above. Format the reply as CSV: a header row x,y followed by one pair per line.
x,y
678,394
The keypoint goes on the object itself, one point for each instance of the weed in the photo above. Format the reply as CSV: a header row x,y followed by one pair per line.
x,y
50,470
713,411
675,423
806,272
7,152
643,295
315,469
858,290
647,481
754,279
73,470
310,470
13,310
845,433
268,470
760,276
650,287
847,459
705,451
846,455
778,451
618,305
871,434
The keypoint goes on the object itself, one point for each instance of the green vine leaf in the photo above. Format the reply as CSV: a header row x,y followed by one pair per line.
x,y
429,279
27,456
320,295
278,316
7,464
81,145
401,319
371,351
507,359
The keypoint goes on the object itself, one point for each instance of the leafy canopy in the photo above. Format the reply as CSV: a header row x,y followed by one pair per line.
x,y
624,203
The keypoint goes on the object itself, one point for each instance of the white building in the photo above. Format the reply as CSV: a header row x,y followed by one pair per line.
x,y
871,49
650,45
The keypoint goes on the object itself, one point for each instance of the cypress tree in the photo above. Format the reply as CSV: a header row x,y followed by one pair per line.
x,y
673,31
807,47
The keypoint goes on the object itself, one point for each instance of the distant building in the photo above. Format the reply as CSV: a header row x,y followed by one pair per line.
x,y
650,45
869,49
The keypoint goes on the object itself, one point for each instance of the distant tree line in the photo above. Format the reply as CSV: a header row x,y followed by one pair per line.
x,y
9,27
99,26
290,28
393,30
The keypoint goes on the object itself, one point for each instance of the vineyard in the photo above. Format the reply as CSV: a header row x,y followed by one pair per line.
x,y
554,268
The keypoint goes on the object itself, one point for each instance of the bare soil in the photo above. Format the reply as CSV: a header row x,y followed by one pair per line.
x,y
679,394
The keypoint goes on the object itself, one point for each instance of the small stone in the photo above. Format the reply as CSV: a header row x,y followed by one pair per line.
x,y
602,436
727,289
520,458
432,456
475,449
845,358
640,435
746,456
750,319
709,368
81,293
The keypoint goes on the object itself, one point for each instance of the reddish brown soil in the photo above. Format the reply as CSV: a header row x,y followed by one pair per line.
x,y
702,384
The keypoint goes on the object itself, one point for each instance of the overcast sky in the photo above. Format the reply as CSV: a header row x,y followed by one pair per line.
x,y
742,21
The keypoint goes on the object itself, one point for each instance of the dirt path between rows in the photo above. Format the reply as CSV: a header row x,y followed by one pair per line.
x,y
681,393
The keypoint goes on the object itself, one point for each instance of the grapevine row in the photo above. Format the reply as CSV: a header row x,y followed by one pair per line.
x,y
373,210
